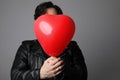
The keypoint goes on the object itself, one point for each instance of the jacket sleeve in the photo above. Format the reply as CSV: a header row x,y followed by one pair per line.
x,y
20,69
77,69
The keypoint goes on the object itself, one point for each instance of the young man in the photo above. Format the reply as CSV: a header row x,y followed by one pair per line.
x,y
32,63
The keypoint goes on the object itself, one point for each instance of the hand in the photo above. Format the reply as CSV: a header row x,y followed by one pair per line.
x,y
51,67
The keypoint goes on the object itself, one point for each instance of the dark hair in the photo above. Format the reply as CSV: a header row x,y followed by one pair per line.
x,y
41,9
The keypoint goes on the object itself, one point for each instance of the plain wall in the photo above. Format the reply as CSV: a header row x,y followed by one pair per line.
x,y
97,33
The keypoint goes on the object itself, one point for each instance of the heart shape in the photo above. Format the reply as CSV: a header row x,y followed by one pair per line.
x,y
54,32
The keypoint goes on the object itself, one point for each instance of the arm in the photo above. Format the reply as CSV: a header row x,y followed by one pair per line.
x,y
20,69
78,69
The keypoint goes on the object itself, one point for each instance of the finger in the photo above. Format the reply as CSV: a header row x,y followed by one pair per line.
x,y
58,72
60,68
53,62
49,59
60,63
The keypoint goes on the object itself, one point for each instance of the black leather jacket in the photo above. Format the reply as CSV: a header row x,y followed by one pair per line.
x,y
30,57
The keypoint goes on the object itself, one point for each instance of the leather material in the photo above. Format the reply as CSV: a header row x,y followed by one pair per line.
x,y
30,57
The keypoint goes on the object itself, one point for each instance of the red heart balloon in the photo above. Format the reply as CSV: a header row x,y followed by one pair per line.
x,y
54,32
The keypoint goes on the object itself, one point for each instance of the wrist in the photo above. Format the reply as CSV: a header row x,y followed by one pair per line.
x,y
42,76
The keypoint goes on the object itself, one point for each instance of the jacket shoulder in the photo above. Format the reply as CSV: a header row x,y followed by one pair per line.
x,y
72,43
30,43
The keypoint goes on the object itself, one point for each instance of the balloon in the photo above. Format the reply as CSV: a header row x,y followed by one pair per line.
x,y
54,32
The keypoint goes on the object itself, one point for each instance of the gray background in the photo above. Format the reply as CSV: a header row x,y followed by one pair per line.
x,y
97,33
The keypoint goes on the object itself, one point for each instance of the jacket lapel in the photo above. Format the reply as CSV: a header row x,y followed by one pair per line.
x,y
38,50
